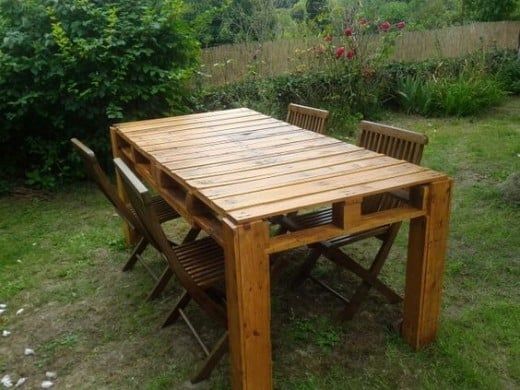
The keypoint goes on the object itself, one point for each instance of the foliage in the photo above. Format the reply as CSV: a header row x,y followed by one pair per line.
x,y
507,68
465,95
490,10
70,68
208,18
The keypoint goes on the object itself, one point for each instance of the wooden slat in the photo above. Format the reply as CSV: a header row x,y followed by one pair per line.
x,y
231,138
328,197
326,162
215,169
253,153
272,182
260,146
149,136
316,187
150,123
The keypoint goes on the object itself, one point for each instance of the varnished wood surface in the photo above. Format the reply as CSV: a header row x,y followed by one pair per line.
x,y
229,171
247,166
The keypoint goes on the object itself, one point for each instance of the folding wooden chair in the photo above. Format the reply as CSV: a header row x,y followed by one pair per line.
x,y
198,265
394,142
162,209
307,118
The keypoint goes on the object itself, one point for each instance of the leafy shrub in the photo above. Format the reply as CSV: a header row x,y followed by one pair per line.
x,y
69,68
486,10
509,75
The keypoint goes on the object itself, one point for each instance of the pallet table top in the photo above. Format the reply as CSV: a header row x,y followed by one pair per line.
x,y
248,166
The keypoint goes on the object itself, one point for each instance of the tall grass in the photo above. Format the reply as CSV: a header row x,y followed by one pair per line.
x,y
463,95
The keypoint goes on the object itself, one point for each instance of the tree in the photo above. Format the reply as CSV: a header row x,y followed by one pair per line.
x,y
489,10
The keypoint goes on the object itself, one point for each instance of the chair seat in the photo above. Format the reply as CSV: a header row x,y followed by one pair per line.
x,y
203,260
323,217
162,209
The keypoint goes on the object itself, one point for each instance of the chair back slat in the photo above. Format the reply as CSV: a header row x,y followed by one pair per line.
x,y
394,142
308,118
141,200
96,173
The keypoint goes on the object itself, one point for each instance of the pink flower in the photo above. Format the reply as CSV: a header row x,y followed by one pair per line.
x,y
348,31
351,54
340,52
328,38
401,25
385,26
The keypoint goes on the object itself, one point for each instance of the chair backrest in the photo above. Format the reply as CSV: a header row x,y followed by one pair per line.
x,y
96,173
394,142
308,118
141,200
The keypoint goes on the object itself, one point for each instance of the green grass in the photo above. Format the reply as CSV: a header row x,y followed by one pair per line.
x,y
61,258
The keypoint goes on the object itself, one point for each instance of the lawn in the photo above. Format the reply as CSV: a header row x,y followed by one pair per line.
x,y
61,255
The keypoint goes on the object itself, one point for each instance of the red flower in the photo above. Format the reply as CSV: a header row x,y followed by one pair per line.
x,y
385,26
351,54
348,31
328,38
401,25
340,52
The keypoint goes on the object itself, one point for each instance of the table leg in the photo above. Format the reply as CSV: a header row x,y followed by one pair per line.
x,y
425,267
131,236
248,304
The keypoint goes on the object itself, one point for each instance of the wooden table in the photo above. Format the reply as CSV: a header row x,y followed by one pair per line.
x,y
229,171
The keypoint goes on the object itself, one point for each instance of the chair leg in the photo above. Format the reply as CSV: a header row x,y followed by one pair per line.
x,y
191,235
211,361
161,284
134,256
362,291
181,304
306,268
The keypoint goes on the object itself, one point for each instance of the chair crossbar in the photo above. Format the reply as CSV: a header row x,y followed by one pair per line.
x,y
194,332
328,288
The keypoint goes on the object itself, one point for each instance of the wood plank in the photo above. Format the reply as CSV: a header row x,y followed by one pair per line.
x,y
150,123
298,166
248,304
316,186
211,170
169,131
261,146
251,154
363,163
233,138
334,196
427,243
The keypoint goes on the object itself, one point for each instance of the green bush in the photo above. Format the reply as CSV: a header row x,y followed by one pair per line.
x,y
465,95
70,68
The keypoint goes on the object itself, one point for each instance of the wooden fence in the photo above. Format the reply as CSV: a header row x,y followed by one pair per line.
x,y
230,63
